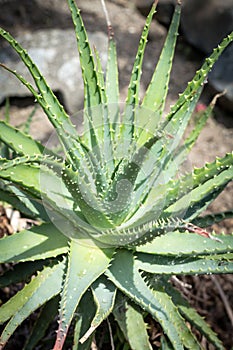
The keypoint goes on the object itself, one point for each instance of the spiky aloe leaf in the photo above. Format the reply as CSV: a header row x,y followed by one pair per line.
x,y
112,84
200,76
44,184
199,177
94,93
20,201
177,119
40,242
85,313
157,90
42,288
43,321
49,180
157,303
86,264
184,243
18,141
202,195
100,74
19,168
181,154
131,322
121,191
132,100
38,177
182,265
104,293
112,81
105,137
86,200
190,140
75,151
152,172
185,188
78,192
90,77
192,316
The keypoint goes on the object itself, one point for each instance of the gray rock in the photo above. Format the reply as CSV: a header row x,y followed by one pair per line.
x,y
221,77
55,53
164,9
205,24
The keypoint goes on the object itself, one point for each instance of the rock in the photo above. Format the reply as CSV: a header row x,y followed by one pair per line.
x,y
205,24
221,77
164,9
55,53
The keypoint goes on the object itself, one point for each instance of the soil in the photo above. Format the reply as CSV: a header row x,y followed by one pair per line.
x,y
211,295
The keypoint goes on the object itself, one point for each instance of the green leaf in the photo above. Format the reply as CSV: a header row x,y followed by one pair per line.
x,y
84,315
86,264
42,288
131,322
157,91
73,147
105,136
199,122
183,243
87,200
186,189
182,152
121,193
20,201
112,83
40,242
192,316
52,107
104,293
195,202
43,184
93,86
155,170
200,76
46,316
18,141
124,274
100,74
90,77
45,181
39,178
132,100
181,265
188,338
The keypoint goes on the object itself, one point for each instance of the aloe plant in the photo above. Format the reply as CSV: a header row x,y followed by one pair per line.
x,y
117,215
